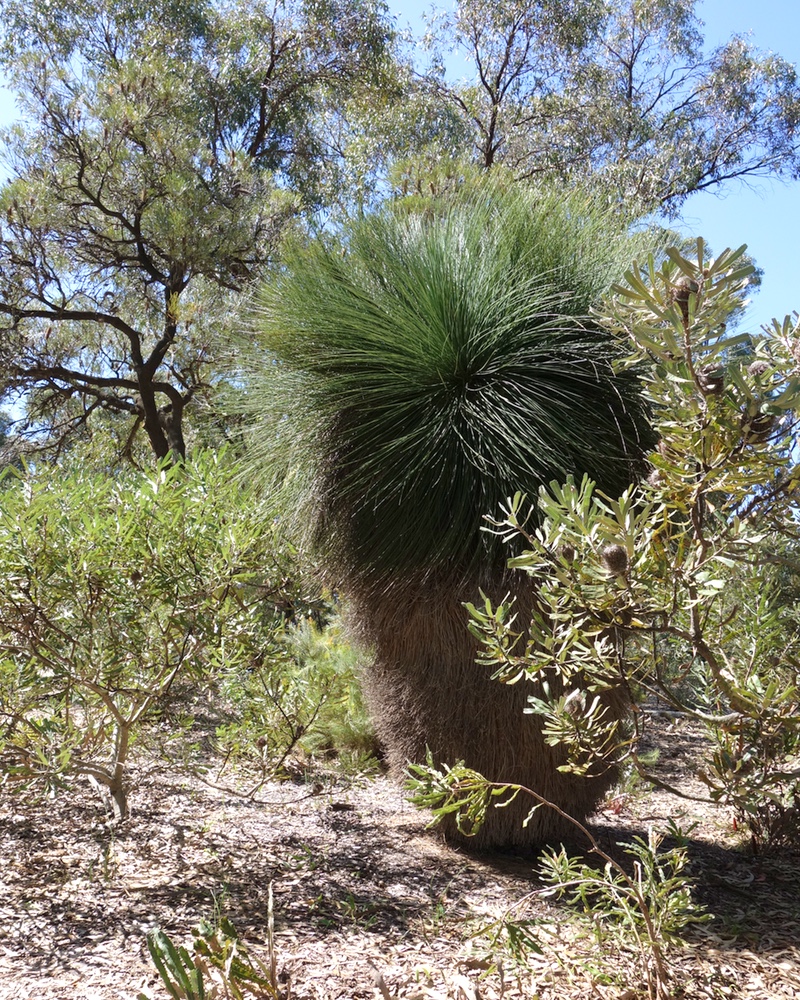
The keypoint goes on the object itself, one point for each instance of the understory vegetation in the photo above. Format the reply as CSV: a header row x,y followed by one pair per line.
x,y
359,426
679,593
131,603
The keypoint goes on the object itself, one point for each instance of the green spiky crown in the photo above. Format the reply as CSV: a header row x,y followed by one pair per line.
x,y
430,366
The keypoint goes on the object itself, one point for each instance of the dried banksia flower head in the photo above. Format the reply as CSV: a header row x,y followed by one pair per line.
x,y
757,428
567,553
682,289
711,380
758,368
575,703
615,558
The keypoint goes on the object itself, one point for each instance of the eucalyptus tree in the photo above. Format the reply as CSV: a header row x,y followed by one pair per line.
x,y
161,152
619,90
414,374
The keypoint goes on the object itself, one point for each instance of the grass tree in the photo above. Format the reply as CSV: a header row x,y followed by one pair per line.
x,y
416,373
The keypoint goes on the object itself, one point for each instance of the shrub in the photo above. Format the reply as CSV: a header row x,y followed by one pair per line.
x,y
677,588
112,590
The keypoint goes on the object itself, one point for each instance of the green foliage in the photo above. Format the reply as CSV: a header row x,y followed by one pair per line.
x,y
417,369
300,693
673,589
114,591
219,965
333,663
646,909
182,978
458,790
162,153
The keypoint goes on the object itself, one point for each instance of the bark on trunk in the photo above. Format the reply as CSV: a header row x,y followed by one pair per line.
x,y
116,786
424,689
164,428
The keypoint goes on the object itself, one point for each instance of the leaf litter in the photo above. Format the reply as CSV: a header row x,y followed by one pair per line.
x,y
368,904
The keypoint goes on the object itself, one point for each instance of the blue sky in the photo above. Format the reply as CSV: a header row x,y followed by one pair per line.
x,y
766,216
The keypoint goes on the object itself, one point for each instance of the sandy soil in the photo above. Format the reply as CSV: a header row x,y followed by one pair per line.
x,y
367,903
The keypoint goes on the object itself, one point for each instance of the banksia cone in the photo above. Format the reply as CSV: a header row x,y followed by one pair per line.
x,y
757,368
711,380
757,429
682,289
575,703
615,558
567,553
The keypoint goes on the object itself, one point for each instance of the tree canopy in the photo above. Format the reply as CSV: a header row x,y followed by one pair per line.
x,y
162,151
165,148
621,90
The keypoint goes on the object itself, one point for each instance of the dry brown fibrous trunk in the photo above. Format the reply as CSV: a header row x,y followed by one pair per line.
x,y
425,690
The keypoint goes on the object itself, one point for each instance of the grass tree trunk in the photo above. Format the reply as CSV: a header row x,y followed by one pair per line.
x,y
426,691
